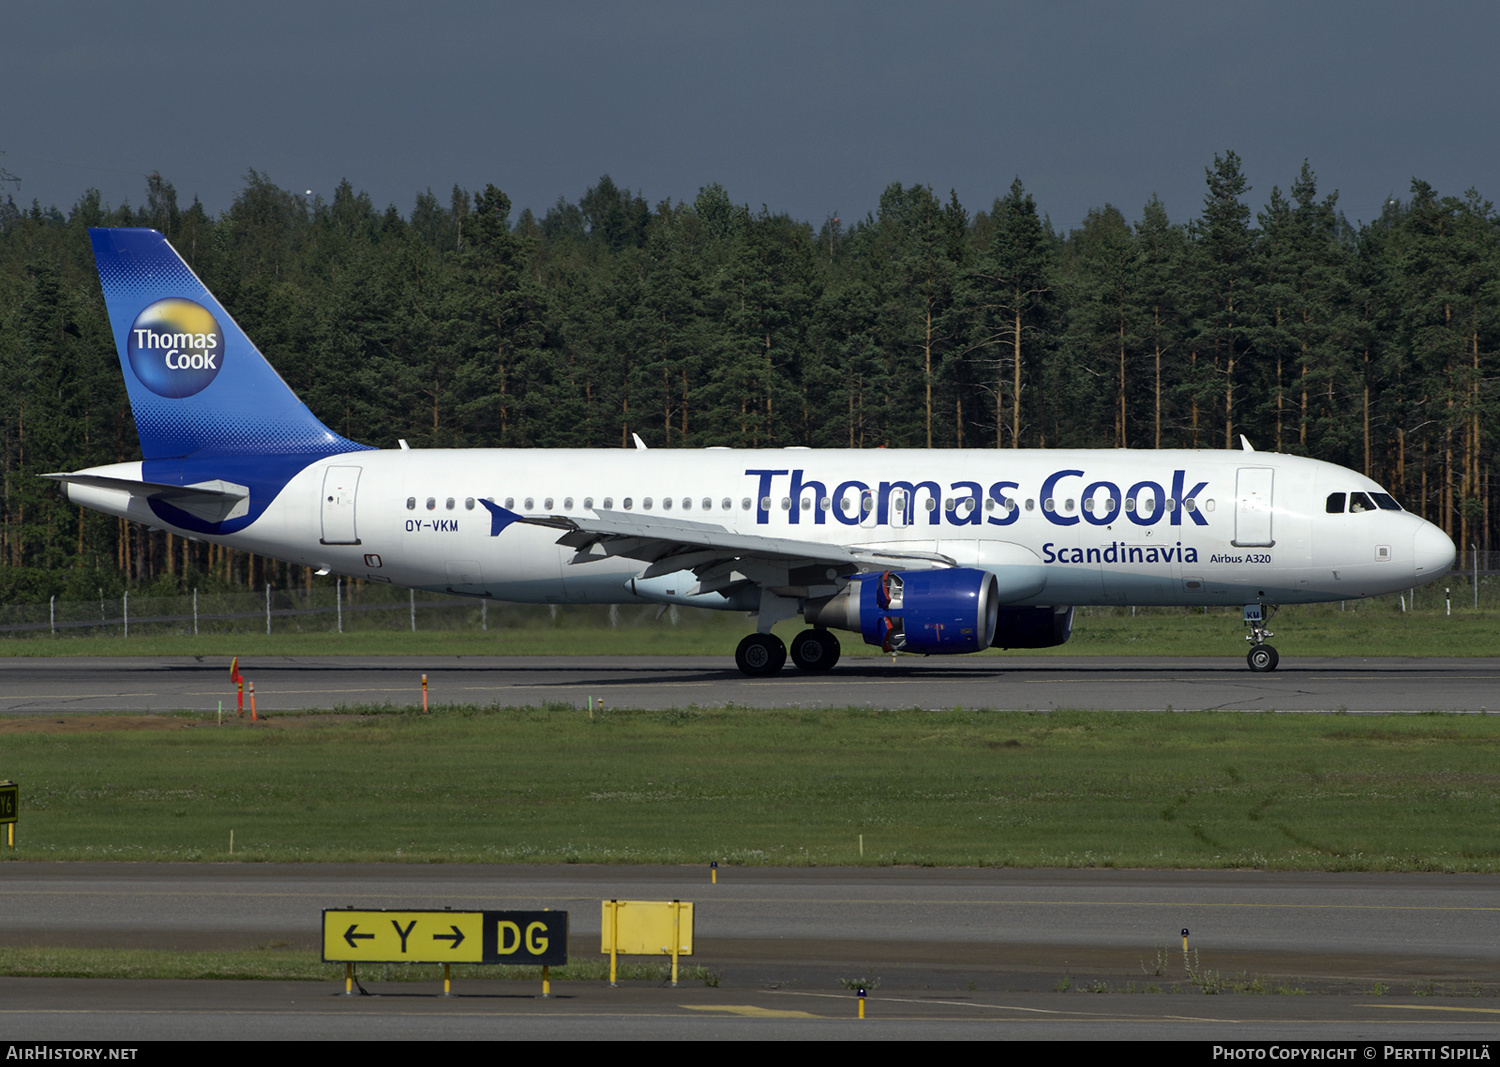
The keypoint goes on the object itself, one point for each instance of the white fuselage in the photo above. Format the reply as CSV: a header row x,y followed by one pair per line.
x,y
1057,527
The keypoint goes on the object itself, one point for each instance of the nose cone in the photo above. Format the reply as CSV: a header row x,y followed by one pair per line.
x,y
1432,552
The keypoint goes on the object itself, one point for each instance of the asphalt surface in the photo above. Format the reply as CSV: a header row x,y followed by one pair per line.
x,y
945,953
50,686
955,953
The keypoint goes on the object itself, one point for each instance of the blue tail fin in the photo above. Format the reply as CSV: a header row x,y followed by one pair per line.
x,y
209,409
198,387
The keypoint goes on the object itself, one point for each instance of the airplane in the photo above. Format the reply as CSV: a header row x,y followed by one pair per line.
x,y
916,551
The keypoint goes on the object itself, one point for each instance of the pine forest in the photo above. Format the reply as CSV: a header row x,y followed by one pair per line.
x,y
925,324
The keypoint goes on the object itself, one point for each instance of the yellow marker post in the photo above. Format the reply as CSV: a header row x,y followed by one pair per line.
x,y
676,937
713,873
10,810
546,981
348,979
861,1002
612,929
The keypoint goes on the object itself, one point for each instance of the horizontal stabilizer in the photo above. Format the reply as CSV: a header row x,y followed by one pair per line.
x,y
215,501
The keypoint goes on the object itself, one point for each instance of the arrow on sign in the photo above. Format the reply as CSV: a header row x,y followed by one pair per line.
x,y
457,936
351,937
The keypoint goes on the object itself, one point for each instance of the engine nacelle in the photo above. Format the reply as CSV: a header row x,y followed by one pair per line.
x,y
1044,627
935,612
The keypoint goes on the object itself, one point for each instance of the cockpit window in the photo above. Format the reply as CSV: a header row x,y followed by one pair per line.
x,y
1335,503
1360,502
1385,502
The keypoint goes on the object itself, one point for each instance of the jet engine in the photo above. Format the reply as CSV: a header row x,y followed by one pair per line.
x,y
935,612
1043,627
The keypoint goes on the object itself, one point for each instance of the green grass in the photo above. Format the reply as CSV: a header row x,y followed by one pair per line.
x,y
1377,627
283,963
789,787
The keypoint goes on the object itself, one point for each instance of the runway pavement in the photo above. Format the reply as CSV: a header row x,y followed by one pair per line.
x,y
965,953
50,686
947,953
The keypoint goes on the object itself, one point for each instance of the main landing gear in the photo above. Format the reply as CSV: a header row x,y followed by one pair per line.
x,y
1261,657
764,654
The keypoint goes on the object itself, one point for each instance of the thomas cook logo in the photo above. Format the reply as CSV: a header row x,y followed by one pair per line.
x,y
176,348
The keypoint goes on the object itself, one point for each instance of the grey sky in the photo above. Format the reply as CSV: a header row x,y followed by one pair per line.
x,y
808,108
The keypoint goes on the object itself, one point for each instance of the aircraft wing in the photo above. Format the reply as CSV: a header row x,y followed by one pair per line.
x,y
721,558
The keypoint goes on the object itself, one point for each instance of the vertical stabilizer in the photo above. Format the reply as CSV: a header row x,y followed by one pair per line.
x,y
198,387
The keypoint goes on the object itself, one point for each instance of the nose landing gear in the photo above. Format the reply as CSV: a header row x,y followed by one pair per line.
x,y
1261,657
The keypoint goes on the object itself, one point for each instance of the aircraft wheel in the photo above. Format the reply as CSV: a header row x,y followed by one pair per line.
x,y
760,654
815,650
1262,658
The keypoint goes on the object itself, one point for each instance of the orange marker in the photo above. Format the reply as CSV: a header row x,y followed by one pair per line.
x,y
252,702
424,694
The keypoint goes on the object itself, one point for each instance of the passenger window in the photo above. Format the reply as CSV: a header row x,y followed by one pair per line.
x,y
547,504
609,503
626,503
1335,503
530,503
469,503
588,503
510,503
411,503
431,503
666,503
725,504
449,504
567,503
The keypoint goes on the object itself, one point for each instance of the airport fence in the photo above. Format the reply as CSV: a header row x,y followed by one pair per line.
x,y
345,607
340,608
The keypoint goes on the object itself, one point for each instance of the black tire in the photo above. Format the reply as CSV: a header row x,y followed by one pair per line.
x,y
815,650
1262,658
760,655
